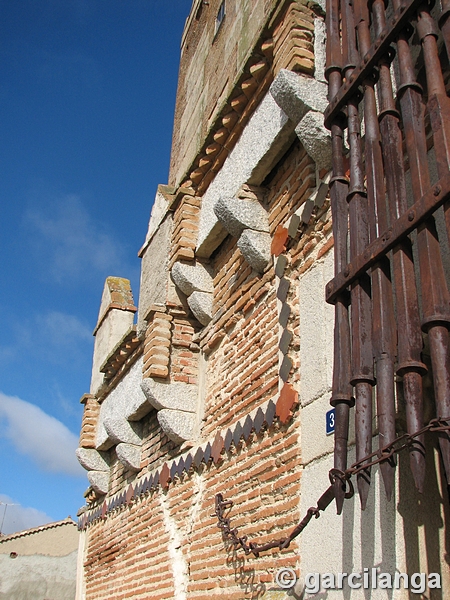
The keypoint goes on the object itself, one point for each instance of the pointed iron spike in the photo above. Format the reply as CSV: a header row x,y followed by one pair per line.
x,y
412,390
363,481
388,474
339,494
417,462
363,426
342,413
444,444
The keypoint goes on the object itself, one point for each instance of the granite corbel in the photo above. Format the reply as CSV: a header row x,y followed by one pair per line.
x,y
247,220
176,403
92,460
120,430
99,480
304,101
178,425
129,455
196,282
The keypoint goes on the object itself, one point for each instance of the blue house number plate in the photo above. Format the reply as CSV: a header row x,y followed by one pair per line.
x,y
330,421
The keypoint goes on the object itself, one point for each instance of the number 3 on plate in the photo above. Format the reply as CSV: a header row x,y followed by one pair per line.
x,y
330,421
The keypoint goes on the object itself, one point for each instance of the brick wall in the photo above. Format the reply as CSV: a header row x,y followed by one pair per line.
x,y
164,543
156,448
153,535
156,345
242,371
185,224
184,357
209,67
89,421
125,559
133,552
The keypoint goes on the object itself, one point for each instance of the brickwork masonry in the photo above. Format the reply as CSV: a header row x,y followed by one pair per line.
x,y
153,535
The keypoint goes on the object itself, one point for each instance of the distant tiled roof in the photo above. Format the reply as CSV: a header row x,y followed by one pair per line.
x,y
18,534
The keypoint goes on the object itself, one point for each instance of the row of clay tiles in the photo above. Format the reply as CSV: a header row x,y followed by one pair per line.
x,y
211,451
120,354
26,532
290,47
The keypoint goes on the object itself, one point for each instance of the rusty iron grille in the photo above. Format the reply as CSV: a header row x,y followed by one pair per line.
x,y
389,117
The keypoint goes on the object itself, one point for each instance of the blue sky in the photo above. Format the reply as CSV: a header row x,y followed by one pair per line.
x,y
87,96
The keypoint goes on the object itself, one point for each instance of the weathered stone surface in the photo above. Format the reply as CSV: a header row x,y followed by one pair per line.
x,y
138,408
315,139
264,140
320,39
116,293
192,278
283,289
179,426
255,248
175,395
284,315
285,368
154,270
208,74
92,460
158,212
99,481
238,214
280,265
297,94
121,430
120,402
129,455
305,211
285,340
201,304
316,331
322,192
114,321
294,224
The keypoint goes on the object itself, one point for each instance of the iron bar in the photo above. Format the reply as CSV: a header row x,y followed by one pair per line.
x,y
368,64
438,105
360,292
383,319
386,241
444,24
439,110
435,297
409,346
377,202
341,397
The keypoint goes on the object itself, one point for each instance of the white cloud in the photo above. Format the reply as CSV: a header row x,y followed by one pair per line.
x,y
73,244
63,329
41,437
54,336
15,517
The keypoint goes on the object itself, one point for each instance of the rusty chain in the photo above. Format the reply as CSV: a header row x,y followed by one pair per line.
x,y
383,454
